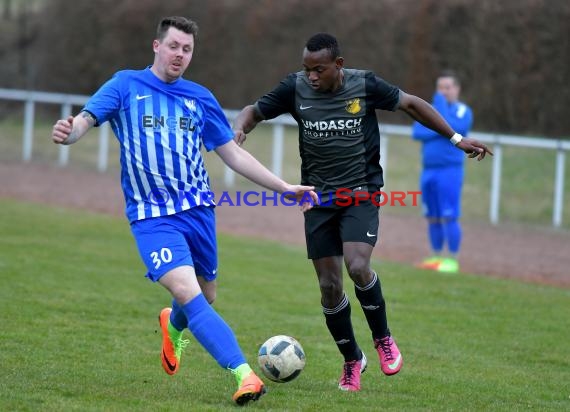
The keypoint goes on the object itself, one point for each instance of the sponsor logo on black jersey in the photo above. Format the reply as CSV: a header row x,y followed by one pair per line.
x,y
337,124
353,106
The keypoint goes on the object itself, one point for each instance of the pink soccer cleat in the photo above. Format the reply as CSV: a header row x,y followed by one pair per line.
x,y
390,357
350,379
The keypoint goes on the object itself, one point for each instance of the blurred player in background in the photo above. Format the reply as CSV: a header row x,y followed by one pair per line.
x,y
161,121
339,144
442,175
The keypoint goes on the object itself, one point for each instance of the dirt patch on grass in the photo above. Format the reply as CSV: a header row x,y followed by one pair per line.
x,y
536,255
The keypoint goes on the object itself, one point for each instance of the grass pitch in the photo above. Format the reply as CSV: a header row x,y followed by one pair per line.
x,y
80,329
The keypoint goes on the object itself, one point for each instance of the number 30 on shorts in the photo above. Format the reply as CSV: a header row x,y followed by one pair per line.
x,y
164,256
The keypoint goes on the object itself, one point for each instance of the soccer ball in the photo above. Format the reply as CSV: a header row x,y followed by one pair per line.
x,y
281,358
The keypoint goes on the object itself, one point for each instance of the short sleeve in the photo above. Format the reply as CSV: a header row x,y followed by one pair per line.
x,y
106,101
280,100
217,130
381,94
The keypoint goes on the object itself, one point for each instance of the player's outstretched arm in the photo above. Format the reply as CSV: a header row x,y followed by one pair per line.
x,y
245,164
425,113
68,131
244,123
474,148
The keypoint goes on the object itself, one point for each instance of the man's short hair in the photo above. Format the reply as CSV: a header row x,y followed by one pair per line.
x,y
178,22
450,73
322,41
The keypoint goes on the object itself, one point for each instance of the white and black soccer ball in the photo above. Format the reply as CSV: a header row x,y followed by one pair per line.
x,y
281,358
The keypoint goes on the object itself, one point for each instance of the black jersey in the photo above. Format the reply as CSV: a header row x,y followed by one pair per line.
x,y
339,140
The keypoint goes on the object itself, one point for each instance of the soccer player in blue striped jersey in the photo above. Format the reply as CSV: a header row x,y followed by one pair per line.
x,y
161,121
442,175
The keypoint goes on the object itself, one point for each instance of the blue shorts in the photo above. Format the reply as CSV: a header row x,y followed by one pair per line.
x,y
185,238
441,192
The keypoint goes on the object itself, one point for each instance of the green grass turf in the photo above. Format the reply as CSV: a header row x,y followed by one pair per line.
x,y
79,329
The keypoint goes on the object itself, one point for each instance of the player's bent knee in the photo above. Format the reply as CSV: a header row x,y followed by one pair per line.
x,y
210,296
331,292
209,289
358,267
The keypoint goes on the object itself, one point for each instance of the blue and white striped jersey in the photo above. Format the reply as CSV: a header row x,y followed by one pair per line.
x,y
161,128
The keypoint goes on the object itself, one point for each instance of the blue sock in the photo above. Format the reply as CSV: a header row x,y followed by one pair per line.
x,y
435,231
213,333
453,234
177,316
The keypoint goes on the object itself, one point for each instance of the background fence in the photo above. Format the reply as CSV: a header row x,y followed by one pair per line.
x,y
389,131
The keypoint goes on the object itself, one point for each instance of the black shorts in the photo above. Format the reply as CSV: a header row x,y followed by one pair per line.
x,y
328,227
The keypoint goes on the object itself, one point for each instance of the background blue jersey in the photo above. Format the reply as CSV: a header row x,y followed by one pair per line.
x,y
161,128
437,150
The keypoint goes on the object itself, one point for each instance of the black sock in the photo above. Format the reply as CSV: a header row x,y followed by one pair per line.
x,y
374,307
340,326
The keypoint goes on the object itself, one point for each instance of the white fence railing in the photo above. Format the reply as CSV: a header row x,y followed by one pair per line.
x,y
67,101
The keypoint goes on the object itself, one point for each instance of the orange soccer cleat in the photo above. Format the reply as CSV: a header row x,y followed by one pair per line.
x,y
251,388
171,348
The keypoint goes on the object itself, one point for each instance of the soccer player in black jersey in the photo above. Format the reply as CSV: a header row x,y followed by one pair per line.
x,y
339,145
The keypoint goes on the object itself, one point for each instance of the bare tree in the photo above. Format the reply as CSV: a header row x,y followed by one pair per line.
x,y
512,55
